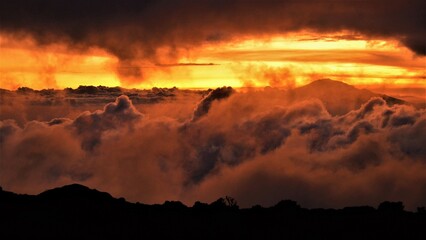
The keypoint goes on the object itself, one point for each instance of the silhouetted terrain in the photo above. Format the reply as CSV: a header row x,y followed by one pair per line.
x,y
77,212
338,97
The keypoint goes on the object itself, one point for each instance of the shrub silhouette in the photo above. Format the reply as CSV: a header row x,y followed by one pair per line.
x,y
227,203
391,207
200,206
287,205
174,205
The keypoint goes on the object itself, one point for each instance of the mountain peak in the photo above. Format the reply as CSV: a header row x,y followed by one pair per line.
x,y
327,82
75,191
338,97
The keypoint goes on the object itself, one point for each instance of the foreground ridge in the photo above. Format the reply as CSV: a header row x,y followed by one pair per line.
x,y
77,212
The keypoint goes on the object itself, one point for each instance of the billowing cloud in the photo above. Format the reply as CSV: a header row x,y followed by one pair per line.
x,y
157,31
256,146
204,106
27,104
115,115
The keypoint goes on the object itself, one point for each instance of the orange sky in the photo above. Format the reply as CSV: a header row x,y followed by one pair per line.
x,y
280,61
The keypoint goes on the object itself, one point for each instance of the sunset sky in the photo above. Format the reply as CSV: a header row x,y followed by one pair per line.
x,y
319,101
207,44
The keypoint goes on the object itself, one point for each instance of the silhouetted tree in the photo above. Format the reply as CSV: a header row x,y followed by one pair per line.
x,y
231,202
225,203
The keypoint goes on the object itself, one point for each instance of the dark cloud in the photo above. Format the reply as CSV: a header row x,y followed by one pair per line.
x,y
369,106
133,30
205,104
254,146
362,127
57,121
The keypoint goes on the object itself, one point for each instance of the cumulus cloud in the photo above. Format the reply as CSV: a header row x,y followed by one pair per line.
x,y
120,114
155,31
254,146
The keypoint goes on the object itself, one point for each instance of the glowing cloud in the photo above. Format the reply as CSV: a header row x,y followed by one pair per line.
x,y
341,39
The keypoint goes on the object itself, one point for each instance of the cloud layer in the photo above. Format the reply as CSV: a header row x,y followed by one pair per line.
x,y
157,31
254,146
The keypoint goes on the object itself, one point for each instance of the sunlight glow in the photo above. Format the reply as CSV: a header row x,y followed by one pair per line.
x,y
280,61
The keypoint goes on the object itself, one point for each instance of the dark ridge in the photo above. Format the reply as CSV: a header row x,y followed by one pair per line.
x,y
77,212
392,101
89,95
93,90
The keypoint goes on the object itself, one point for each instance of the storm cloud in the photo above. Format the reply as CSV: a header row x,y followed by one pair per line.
x,y
255,146
137,31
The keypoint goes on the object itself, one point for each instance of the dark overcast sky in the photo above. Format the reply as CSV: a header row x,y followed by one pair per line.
x,y
135,29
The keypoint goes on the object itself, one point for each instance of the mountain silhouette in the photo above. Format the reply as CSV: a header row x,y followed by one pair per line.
x,y
75,192
78,212
339,98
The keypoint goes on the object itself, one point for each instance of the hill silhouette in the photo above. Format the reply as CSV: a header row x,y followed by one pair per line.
x,y
77,212
338,97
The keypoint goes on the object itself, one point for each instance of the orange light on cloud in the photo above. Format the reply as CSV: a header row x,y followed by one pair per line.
x,y
308,57
290,60
26,65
